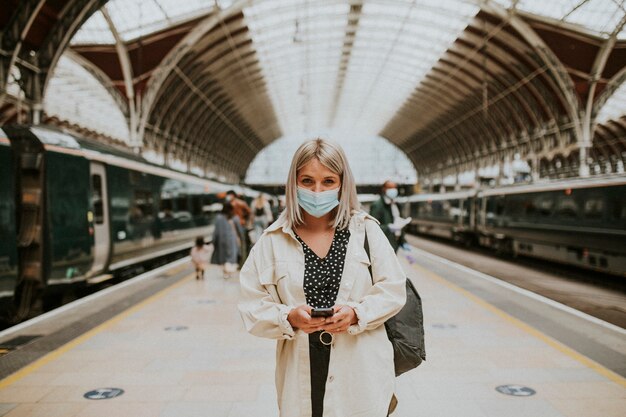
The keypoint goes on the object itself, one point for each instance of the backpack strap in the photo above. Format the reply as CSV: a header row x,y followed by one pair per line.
x,y
367,250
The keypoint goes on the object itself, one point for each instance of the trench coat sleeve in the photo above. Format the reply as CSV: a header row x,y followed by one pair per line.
x,y
388,294
261,310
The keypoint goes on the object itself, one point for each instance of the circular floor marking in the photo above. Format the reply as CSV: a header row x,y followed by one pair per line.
x,y
516,390
103,393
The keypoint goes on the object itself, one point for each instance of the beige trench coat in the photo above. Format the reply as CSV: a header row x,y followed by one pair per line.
x,y
361,379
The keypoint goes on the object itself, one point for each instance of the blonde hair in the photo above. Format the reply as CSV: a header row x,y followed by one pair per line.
x,y
332,157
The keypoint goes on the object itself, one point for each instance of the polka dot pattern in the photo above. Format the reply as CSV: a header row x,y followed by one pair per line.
x,y
322,276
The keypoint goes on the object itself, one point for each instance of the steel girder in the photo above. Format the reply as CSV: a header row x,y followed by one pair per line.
x,y
12,37
472,84
501,69
495,81
228,108
228,59
208,115
615,83
45,59
499,56
594,104
585,141
538,95
238,132
127,73
170,62
195,113
555,67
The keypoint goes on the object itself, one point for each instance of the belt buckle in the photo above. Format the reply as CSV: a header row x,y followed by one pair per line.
x,y
327,343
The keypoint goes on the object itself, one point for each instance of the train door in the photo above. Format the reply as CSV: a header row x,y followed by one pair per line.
x,y
102,234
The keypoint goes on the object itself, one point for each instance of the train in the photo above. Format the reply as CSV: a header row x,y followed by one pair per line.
x,y
75,213
580,222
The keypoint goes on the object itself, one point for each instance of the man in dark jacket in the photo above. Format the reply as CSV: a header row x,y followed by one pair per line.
x,y
385,210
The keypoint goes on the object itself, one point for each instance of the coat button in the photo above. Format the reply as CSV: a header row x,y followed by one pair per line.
x,y
331,378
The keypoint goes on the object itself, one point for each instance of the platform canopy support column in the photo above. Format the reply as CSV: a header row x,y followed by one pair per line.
x,y
590,110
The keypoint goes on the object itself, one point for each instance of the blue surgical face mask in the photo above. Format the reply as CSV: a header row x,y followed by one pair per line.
x,y
318,204
391,193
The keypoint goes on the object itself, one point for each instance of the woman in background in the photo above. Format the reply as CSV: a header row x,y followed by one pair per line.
x,y
261,216
226,241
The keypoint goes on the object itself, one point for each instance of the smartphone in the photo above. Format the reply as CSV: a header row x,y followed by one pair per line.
x,y
322,312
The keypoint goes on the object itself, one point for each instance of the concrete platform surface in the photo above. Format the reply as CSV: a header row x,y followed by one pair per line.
x,y
184,352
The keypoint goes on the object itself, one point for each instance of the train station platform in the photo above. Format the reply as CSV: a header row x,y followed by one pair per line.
x,y
174,346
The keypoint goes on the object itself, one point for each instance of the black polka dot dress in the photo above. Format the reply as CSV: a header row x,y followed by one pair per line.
x,y
322,277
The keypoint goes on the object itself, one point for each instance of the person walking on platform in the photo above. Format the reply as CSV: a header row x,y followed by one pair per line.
x,y
200,257
261,215
306,284
241,209
226,241
386,211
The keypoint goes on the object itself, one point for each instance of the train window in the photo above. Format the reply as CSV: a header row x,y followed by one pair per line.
x,y
544,204
454,210
96,198
500,205
182,203
567,207
594,207
196,205
142,206
514,206
424,209
489,211
529,205
438,209
617,206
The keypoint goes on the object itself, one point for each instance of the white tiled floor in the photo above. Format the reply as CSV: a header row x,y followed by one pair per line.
x,y
213,368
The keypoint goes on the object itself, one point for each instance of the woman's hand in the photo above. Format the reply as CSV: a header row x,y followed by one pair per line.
x,y
344,317
300,318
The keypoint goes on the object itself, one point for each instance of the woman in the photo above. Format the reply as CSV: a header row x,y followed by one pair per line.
x,y
314,256
226,241
261,215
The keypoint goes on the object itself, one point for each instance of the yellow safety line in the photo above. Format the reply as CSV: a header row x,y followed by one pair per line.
x,y
85,336
529,329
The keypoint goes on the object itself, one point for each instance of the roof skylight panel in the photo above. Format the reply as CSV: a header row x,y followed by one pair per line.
x,y
615,107
555,9
92,105
598,15
94,31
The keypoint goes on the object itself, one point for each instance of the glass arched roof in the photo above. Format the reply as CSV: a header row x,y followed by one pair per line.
x,y
76,96
599,16
363,153
136,18
321,72
332,64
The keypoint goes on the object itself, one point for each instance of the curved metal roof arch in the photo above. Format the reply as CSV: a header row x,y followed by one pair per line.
x,y
239,77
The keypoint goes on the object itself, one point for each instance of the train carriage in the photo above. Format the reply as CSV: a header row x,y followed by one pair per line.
x,y
8,247
580,222
449,215
75,212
